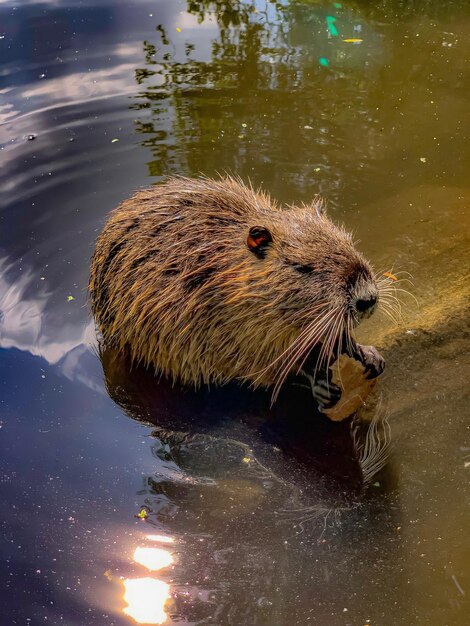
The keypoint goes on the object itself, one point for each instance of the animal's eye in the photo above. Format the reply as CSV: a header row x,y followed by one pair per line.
x,y
303,269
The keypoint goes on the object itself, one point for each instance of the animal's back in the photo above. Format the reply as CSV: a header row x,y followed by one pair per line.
x,y
165,260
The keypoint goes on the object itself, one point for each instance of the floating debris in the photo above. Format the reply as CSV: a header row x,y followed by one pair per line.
x,y
114,140
178,29
143,513
458,585
330,22
316,169
70,298
307,127
390,275
422,159
323,61
31,137
353,40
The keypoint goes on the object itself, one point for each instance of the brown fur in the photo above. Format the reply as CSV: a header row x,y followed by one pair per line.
x,y
174,281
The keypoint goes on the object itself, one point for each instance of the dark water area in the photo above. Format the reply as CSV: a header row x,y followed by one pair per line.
x,y
230,521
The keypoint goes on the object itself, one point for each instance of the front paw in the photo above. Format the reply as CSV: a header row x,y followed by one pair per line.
x,y
372,360
325,392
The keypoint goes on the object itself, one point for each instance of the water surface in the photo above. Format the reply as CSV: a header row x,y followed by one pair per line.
x,y
99,98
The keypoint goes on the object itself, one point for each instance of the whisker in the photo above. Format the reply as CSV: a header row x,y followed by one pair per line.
x,y
333,333
392,313
408,293
306,345
392,302
336,336
303,333
348,334
299,346
327,347
340,346
391,317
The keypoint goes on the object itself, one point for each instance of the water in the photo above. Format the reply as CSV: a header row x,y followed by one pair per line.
x,y
100,98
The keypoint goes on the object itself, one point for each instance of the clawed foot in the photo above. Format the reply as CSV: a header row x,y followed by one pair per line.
x,y
372,360
326,393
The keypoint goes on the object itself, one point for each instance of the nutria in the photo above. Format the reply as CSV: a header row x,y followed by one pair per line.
x,y
209,281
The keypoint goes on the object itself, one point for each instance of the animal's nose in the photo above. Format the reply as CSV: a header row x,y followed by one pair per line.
x,y
366,304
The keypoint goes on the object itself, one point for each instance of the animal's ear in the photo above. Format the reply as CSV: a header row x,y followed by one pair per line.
x,y
258,240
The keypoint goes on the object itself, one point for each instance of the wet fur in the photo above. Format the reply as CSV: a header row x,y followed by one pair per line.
x,y
174,282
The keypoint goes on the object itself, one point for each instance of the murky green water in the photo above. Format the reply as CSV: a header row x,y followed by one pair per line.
x,y
266,522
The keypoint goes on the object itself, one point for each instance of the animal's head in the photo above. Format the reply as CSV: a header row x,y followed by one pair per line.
x,y
314,269
307,273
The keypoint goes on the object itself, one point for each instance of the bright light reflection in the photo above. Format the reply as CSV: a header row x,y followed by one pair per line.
x,y
153,558
146,599
160,538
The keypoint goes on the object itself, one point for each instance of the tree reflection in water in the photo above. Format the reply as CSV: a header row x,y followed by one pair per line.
x,y
261,99
258,101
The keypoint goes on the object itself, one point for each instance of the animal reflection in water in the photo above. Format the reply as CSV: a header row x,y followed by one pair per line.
x,y
216,436
236,475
